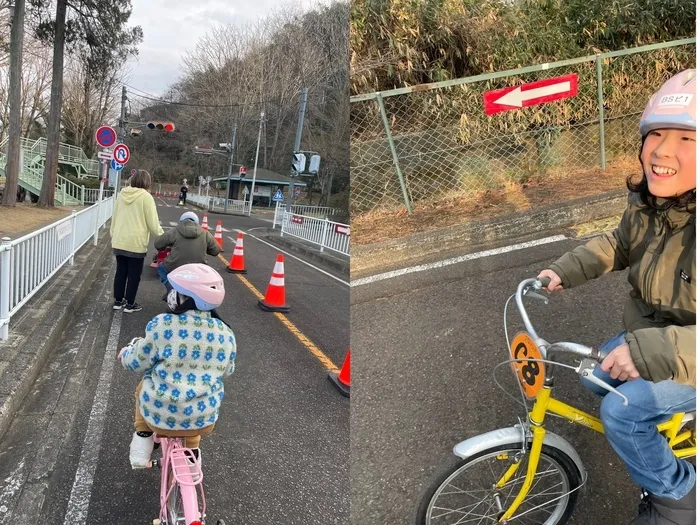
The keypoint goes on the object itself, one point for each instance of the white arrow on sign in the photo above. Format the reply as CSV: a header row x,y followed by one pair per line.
x,y
516,97
106,155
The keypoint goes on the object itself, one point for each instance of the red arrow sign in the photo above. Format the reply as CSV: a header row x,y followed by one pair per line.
x,y
531,94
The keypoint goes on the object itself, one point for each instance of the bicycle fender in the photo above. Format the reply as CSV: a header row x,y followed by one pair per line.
x,y
504,436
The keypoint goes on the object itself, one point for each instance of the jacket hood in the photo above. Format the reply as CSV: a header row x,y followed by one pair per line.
x,y
189,229
130,195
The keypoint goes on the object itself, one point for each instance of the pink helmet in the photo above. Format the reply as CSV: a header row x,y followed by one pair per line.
x,y
200,282
672,106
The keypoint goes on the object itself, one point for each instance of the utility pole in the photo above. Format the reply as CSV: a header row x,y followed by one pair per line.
x,y
122,135
255,168
230,166
12,168
297,146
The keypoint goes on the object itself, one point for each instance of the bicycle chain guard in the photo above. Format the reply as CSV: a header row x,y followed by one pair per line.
x,y
529,372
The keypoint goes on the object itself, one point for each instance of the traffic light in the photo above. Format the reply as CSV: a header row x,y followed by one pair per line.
x,y
299,162
161,126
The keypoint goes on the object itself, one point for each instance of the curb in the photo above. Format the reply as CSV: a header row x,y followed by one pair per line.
x,y
370,258
32,348
312,253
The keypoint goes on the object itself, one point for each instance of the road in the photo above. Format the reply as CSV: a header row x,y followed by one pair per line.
x,y
280,451
422,378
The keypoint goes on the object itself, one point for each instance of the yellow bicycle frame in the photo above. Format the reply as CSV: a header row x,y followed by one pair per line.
x,y
545,404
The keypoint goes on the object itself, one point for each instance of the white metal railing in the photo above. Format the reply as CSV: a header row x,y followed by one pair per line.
x,y
217,203
320,212
328,234
90,195
27,263
234,206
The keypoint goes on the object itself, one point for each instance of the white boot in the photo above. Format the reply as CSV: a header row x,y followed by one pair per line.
x,y
140,451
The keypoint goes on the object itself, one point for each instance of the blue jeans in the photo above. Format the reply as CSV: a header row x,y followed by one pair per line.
x,y
631,430
163,275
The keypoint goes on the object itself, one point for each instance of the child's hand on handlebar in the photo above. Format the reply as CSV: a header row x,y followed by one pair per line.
x,y
619,363
555,280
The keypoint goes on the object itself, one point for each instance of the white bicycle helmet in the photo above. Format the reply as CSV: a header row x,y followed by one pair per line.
x,y
189,215
672,106
196,281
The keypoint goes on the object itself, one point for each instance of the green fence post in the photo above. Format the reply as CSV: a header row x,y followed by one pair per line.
x,y
601,110
389,137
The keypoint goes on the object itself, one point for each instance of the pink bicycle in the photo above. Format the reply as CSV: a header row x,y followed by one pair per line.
x,y
181,475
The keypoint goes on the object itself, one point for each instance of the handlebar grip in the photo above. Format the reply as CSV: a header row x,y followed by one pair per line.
x,y
545,281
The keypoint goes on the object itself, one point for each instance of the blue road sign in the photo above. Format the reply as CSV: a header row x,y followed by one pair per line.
x,y
116,166
278,196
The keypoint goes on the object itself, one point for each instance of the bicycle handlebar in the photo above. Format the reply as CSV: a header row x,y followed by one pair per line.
x,y
587,354
525,288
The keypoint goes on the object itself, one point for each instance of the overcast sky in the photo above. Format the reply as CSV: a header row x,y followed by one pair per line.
x,y
172,27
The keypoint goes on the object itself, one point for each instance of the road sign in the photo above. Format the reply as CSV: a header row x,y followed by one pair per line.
x,y
104,155
278,196
241,172
116,166
531,94
297,191
133,172
297,219
121,154
342,229
105,136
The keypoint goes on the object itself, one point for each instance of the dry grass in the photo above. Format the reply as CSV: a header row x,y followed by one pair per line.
x,y
23,218
593,227
380,225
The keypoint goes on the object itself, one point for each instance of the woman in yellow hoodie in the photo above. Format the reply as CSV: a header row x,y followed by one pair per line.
x,y
135,216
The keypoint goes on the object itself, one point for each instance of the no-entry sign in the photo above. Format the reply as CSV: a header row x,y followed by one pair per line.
x,y
342,229
532,94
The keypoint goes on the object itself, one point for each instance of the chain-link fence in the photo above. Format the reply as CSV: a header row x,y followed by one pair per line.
x,y
434,142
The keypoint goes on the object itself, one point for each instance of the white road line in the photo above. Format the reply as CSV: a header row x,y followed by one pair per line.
x,y
82,485
292,256
455,260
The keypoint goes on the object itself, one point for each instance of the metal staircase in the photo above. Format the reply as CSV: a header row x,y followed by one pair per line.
x,y
33,157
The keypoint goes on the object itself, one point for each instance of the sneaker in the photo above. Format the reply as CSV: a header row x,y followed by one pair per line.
x,y
654,510
136,307
140,451
118,305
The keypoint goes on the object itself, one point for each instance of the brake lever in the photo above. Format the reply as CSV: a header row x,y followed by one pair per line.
x,y
585,370
529,293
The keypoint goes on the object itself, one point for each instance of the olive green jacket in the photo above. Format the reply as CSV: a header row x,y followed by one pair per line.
x,y
658,247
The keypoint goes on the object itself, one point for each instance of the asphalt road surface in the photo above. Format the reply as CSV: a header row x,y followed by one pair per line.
x,y
280,450
424,348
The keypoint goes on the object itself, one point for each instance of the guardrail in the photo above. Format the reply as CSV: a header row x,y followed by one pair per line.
x,y
320,212
90,195
28,263
328,234
217,204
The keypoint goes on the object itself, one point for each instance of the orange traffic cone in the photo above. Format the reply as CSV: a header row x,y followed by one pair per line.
x,y
274,298
342,380
217,235
205,223
237,264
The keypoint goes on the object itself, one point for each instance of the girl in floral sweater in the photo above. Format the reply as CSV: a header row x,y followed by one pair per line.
x,y
184,357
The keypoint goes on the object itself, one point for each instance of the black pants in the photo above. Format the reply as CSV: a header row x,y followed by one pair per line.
x,y
127,278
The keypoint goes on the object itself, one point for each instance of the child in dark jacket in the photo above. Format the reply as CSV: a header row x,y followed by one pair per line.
x,y
189,244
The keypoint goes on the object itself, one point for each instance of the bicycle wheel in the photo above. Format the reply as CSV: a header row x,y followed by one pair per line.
x,y
465,492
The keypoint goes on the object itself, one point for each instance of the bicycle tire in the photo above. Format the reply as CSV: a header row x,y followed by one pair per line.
x,y
565,464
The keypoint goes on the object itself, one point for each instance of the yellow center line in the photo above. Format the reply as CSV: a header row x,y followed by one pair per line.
x,y
316,351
